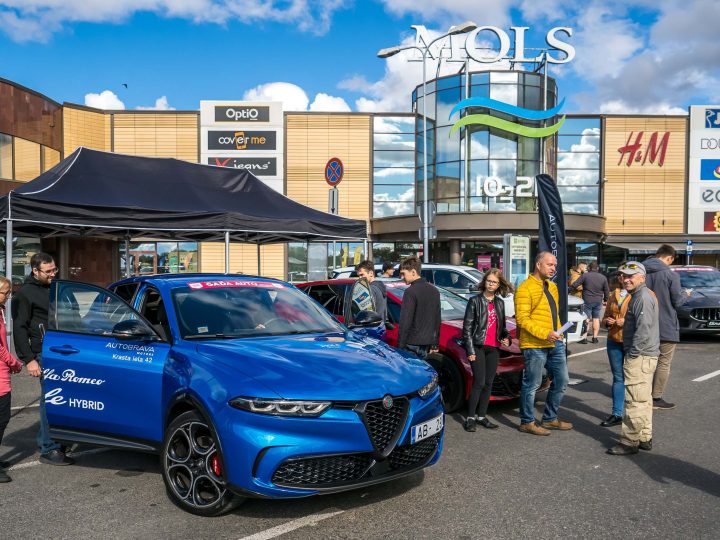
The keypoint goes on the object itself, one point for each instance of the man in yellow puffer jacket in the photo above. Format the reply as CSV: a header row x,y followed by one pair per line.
x,y
536,313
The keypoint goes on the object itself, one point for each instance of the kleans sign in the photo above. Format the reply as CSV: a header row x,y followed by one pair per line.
x,y
241,140
257,166
473,45
240,113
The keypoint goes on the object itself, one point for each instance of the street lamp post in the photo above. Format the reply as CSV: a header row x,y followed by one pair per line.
x,y
392,51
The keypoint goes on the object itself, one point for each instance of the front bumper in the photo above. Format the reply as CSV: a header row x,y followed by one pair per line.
x,y
690,324
284,457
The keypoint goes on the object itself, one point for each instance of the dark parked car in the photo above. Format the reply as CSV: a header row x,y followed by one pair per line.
x,y
701,312
451,361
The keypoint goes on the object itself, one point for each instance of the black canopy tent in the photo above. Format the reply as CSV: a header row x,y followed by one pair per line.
x,y
102,194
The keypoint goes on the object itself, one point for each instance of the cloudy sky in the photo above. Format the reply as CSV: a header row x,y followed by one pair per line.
x,y
634,56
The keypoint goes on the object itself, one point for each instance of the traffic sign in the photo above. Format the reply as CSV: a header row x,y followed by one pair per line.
x,y
333,201
689,248
334,170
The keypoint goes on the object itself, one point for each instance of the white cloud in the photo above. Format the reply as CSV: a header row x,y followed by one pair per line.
x,y
295,98
104,100
483,12
324,102
161,104
618,106
37,20
291,95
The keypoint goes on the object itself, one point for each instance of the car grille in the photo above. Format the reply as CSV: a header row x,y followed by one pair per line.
x,y
348,469
410,456
384,425
706,314
322,471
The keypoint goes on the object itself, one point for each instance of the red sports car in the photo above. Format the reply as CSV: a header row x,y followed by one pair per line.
x,y
451,361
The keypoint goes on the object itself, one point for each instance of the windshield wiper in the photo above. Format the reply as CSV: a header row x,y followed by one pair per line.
x,y
215,336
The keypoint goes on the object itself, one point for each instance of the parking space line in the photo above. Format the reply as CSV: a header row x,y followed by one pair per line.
x,y
73,455
21,407
708,376
290,526
586,352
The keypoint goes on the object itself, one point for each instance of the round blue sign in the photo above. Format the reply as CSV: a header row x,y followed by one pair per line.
x,y
334,171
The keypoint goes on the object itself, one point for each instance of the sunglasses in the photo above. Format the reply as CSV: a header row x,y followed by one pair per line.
x,y
628,266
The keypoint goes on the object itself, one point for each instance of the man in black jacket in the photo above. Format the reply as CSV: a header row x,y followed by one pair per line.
x,y
419,329
30,319
666,285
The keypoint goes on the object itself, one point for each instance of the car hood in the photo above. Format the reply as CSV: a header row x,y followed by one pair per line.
x,y
705,297
338,367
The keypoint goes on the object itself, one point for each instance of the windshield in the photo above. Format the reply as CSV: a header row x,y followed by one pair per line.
x,y
452,306
699,279
247,308
476,274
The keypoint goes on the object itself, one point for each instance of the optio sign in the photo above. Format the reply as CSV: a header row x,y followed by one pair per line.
x,y
242,114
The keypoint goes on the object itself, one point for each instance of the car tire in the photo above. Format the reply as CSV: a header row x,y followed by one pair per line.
x,y
193,468
452,384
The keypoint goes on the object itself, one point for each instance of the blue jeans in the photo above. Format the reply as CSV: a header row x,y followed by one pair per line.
x,y
44,442
616,355
552,359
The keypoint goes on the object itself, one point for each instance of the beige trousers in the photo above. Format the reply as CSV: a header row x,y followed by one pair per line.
x,y
637,417
662,373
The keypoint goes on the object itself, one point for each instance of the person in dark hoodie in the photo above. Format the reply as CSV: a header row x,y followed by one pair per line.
x,y
666,285
30,318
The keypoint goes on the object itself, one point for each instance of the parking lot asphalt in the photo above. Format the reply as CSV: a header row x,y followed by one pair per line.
x,y
489,484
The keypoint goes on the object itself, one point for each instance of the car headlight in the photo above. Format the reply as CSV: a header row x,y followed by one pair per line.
x,y
280,407
429,388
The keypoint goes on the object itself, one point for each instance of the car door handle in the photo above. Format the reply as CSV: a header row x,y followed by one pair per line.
x,y
65,349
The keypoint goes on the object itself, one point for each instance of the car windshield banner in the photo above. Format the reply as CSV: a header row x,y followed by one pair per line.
x,y
551,234
196,285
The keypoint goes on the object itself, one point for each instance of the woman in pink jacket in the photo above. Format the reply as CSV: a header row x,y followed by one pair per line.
x,y
8,364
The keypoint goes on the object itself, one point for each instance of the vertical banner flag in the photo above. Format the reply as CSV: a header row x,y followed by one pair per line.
x,y
551,234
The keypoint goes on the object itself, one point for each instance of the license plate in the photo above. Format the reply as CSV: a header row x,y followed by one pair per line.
x,y
426,429
713,324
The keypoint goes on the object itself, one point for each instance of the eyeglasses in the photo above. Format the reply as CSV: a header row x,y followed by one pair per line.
x,y
492,282
50,272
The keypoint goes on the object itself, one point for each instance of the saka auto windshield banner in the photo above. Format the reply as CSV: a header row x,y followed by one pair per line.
x,y
551,235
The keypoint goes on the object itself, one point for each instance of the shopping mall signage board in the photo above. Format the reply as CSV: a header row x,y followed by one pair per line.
x,y
244,135
516,258
473,45
704,170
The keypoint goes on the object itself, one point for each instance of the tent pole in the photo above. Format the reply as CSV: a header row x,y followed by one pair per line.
x,y
8,274
127,257
227,252
258,256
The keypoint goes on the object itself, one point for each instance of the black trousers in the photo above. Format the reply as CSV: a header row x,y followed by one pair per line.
x,y
4,413
484,368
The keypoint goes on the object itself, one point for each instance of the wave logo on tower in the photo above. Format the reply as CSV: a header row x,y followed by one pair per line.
x,y
506,125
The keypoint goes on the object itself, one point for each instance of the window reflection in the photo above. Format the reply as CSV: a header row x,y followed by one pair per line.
x,y
6,156
393,165
578,165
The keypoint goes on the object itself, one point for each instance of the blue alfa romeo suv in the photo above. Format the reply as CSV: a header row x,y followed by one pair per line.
x,y
244,386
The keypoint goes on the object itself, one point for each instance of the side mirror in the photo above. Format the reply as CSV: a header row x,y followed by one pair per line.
x,y
365,319
472,287
132,329
389,326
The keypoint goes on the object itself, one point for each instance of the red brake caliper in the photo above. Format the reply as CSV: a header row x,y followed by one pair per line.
x,y
215,466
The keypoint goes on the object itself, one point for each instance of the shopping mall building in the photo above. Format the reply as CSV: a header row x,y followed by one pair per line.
x,y
628,183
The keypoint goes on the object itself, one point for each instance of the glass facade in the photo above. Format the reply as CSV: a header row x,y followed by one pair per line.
x,y
478,168
315,261
393,166
24,247
160,258
578,165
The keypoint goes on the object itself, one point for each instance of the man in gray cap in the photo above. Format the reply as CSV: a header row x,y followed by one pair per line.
x,y
641,343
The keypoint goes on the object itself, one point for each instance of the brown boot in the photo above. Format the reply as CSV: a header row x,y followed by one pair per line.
x,y
557,424
533,429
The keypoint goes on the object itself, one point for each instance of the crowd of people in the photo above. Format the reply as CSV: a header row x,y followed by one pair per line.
x,y
638,313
